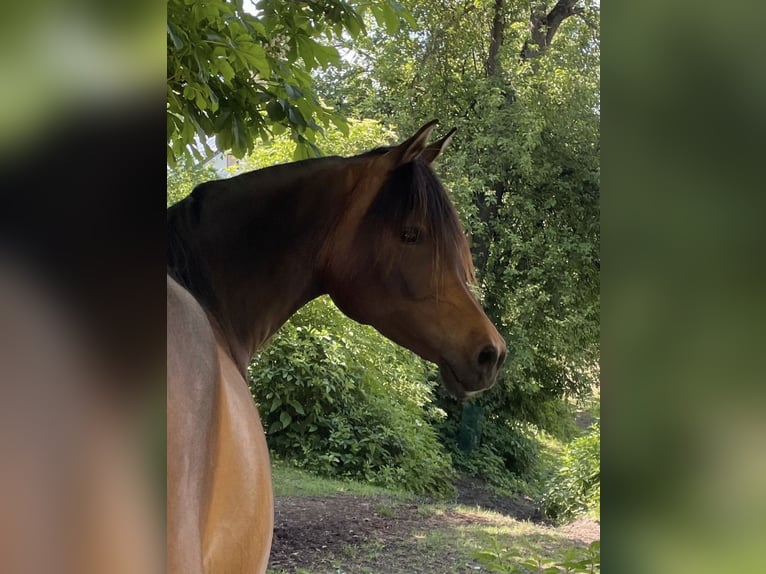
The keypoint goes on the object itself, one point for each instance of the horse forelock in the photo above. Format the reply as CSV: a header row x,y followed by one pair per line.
x,y
412,195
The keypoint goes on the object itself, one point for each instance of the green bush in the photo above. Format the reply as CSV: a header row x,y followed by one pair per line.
x,y
576,487
338,399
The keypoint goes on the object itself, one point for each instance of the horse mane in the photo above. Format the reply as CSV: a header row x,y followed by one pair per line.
x,y
183,262
413,195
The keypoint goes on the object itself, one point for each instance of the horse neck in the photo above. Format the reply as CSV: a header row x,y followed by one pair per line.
x,y
259,237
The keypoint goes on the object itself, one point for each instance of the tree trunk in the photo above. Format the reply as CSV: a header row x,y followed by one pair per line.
x,y
496,39
488,209
487,213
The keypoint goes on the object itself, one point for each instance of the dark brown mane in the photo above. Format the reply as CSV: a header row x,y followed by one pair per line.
x,y
413,195
183,263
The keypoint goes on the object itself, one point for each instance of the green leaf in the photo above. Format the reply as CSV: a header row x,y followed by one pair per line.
x,y
200,101
406,15
326,54
275,110
298,407
258,26
341,124
485,555
353,26
306,51
293,92
295,116
256,56
285,419
175,38
238,143
226,71
391,19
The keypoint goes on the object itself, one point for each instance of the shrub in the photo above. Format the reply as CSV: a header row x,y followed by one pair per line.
x,y
576,487
343,401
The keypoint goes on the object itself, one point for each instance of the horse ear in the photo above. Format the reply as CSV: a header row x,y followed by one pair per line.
x,y
413,147
432,152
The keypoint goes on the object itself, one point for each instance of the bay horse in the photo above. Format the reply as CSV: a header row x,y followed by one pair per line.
x,y
378,234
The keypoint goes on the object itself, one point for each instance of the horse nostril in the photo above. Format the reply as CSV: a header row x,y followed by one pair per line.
x,y
488,357
501,359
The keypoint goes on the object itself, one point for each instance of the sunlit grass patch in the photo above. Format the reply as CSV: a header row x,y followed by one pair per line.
x,y
290,481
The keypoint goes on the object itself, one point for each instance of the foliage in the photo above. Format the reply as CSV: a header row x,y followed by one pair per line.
x,y
576,487
360,136
237,76
503,560
184,177
342,400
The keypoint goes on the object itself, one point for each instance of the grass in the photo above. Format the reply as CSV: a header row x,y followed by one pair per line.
x,y
291,481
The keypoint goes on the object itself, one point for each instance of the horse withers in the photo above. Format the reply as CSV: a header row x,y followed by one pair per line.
x,y
378,233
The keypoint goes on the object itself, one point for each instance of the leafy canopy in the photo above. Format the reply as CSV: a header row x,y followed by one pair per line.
x,y
236,75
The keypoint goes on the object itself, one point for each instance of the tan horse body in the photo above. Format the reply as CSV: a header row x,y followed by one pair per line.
x,y
374,231
218,461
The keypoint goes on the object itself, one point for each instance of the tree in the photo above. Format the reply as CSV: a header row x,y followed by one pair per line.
x,y
237,75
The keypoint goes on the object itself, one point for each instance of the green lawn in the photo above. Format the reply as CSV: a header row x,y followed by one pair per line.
x,y
290,481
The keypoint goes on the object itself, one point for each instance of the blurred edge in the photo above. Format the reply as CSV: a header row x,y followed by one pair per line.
x,y
684,278
82,295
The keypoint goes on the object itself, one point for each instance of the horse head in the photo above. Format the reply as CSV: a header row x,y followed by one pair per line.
x,y
398,260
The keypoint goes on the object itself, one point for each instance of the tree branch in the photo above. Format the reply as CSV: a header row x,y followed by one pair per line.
x,y
543,27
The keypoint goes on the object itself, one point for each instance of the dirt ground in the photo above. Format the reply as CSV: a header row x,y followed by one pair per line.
x,y
309,529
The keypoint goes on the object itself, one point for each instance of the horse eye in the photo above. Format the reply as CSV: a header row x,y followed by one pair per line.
x,y
410,235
